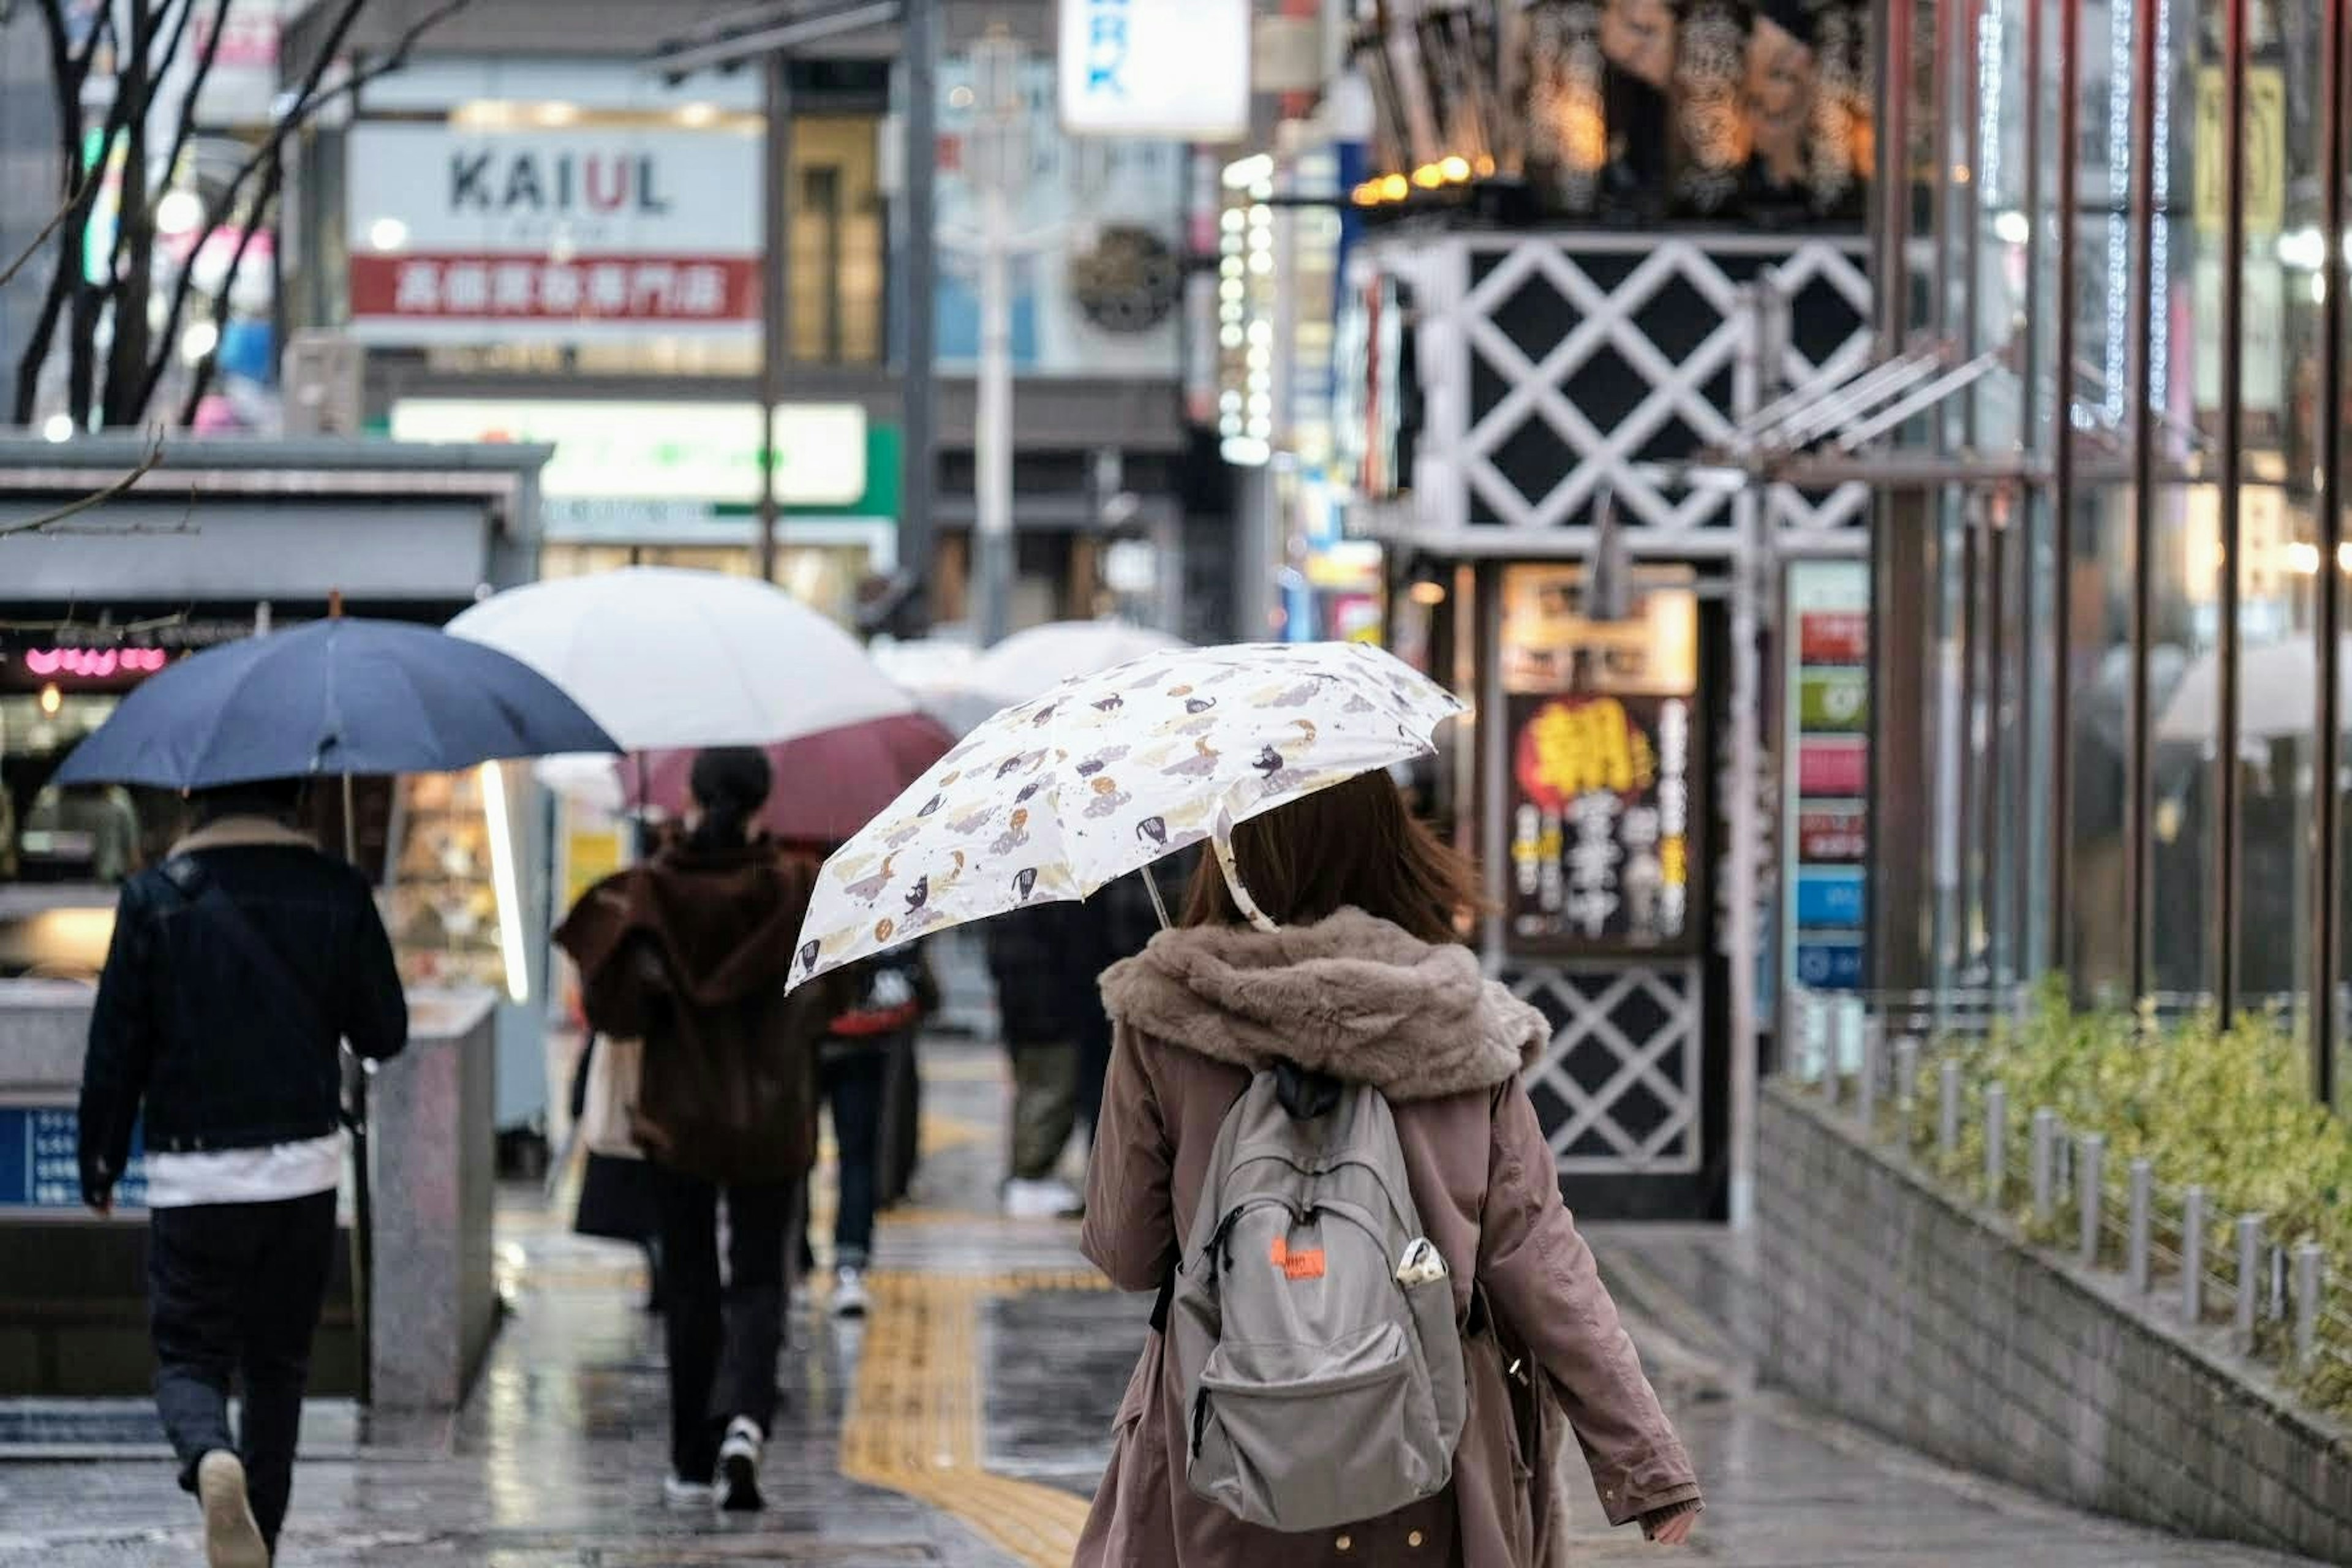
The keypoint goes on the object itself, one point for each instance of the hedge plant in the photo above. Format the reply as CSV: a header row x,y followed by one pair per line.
x,y
2228,1109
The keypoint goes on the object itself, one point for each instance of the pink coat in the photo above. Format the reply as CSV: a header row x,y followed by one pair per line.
x,y
1360,999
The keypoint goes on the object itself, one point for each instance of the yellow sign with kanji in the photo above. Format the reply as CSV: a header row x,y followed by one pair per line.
x,y
1573,748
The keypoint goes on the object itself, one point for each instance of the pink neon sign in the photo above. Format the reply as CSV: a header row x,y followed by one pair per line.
x,y
96,663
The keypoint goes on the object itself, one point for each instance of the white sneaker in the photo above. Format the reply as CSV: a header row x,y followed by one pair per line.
x,y
232,1539
1041,1200
849,1293
739,1466
680,1493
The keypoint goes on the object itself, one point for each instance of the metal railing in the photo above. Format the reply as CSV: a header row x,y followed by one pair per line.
x,y
2224,1275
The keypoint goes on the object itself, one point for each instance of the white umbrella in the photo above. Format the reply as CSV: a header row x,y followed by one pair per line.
x,y
666,658
1100,776
1028,663
2278,685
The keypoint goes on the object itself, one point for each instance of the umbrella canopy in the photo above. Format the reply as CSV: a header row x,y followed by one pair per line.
x,y
2278,693
667,658
333,697
1028,663
1055,797
827,786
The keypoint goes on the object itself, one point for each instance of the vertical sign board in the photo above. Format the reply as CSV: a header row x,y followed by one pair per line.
x,y
1607,768
1828,738
1172,68
1601,822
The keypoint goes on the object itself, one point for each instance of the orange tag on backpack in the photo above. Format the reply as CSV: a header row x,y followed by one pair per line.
x,y
1305,1264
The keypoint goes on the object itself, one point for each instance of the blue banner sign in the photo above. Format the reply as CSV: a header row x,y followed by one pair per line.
x,y
40,1164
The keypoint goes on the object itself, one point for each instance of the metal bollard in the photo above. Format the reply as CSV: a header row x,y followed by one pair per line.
x,y
2091,1174
1844,1043
2193,1255
1948,1116
2310,1270
1866,1093
1825,1030
1907,1075
2044,1157
2250,1282
1996,1133
2143,1215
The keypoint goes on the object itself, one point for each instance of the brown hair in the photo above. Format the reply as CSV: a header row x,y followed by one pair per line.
x,y
1351,845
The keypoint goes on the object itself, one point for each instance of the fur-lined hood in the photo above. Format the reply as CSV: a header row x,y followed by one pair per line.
x,y
1352,995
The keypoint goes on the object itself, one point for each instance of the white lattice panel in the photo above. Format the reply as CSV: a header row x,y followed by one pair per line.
x,y
1618,1087
1558,367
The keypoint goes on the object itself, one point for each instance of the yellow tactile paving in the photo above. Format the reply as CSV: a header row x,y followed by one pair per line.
x,y
914,1419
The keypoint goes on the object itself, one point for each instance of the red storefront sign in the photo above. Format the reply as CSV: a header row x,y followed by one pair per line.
x,y
473,233
1834,766
457,288
1832,834
1833,636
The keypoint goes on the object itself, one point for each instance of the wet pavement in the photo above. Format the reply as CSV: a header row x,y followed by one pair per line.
x,y
963,1425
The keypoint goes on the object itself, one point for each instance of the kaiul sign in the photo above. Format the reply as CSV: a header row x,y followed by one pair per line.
x,y
555,184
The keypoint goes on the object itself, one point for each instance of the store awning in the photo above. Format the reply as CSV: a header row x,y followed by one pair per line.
x,y
246,520
1840,431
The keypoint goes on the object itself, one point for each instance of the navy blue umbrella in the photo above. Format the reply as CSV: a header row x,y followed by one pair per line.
x,y
336,697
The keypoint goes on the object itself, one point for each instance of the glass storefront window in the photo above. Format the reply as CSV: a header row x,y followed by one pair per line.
x,y
838,235
2199,300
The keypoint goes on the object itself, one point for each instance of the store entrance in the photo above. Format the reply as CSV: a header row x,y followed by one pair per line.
x,y
1605,846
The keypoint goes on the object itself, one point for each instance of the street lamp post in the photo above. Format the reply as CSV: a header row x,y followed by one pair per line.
x,y
1000,154
775,296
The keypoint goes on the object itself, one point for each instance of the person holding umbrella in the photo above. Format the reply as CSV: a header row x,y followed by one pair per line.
x,y
1317,1047
237,968
689,952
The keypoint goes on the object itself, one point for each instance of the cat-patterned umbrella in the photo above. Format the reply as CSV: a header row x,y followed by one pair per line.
x,y
1053,797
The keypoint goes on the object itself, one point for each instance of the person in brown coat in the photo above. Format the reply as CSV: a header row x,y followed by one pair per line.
x,y
690,951
1367,981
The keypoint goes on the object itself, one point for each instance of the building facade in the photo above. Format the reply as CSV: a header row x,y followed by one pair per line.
x,y
537,234
2115,727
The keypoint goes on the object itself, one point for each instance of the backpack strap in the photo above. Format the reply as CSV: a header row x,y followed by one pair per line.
x,y
187,877
1167,1301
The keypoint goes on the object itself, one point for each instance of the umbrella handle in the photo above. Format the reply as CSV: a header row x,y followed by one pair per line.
x,y
1221,839
1159,904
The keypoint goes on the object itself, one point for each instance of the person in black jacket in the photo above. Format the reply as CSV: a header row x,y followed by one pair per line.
x,y
1042,1005
239,968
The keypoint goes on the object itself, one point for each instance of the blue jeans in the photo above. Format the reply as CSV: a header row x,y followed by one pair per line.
x,y
855,1082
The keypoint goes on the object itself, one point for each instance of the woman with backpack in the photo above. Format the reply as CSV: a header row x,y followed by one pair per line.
x,y
689,953
1273,1096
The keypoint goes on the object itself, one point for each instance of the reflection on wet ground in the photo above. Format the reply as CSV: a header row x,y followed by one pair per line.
x,y
963,1425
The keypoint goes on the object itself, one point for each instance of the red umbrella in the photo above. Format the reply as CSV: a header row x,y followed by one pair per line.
x,y
828,785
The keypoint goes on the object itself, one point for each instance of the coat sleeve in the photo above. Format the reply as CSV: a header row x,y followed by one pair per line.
x,y
121,1047
1130,1225
1542,1278
375,1009
622,985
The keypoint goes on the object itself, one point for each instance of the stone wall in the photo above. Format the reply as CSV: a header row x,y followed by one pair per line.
x,y
1892,1305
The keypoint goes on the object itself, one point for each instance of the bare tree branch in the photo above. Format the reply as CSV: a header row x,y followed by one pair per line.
x,y
9,275
131,264
67,284
273,155
72,508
